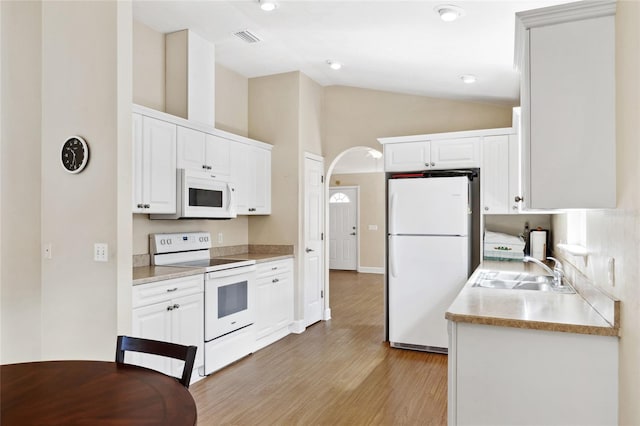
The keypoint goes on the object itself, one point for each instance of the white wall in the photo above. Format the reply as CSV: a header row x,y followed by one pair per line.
x,y
20,177
83,93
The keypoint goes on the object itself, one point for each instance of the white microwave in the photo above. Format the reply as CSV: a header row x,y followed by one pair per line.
x,y
202,195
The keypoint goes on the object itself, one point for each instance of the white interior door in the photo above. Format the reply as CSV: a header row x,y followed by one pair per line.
x,y
313,236
343,228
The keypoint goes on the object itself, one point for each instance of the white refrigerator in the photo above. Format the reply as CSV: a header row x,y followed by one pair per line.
x,y
428,257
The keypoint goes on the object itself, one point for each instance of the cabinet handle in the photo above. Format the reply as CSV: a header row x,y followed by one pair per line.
x,y
147,206
275,280
176,306
426,164
433,164
169,308
169,290
204,167
209,168
140,206
274,268
486,208
515,207
518,199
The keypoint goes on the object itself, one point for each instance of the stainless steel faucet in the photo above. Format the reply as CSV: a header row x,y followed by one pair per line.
x,y
557,270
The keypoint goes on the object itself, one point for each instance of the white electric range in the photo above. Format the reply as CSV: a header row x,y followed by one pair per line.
x,y
229,291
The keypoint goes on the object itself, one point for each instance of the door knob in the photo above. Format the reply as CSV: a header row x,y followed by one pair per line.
x,y
308,250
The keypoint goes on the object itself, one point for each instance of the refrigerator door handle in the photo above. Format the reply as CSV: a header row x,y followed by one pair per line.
x,y
392,257
392,213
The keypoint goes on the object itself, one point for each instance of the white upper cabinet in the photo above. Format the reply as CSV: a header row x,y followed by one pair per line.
x,y
431,152
495,174
566,55
251,172
202,151
455,153
164,143
407,156
154,165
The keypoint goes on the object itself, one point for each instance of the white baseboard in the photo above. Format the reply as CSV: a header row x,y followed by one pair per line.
x,y
371,270
327,314
297,327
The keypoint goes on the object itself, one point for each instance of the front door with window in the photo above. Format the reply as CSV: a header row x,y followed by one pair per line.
x,y
343,228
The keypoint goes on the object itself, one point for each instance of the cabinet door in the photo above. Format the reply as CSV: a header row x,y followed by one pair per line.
x,y
191,149
407,156
218,155
494,175
453,153
572,146
282,300
138,164
187,326
260,182
264,307
240,175
152,322
159,165
515,187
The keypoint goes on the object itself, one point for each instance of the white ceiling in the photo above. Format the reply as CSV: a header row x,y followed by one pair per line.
x,y
399,46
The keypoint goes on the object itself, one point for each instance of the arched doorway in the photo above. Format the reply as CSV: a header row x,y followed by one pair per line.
x,y
358,168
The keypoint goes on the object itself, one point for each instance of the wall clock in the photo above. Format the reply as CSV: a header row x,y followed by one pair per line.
x,y
74,154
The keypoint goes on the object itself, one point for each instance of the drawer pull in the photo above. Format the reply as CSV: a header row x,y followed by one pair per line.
x,y
176,306
274,268
169,308
275,280
169,290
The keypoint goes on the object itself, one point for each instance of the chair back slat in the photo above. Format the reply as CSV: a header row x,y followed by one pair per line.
x,y
156,347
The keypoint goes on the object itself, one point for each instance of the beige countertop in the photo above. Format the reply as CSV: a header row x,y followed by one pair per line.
x,y
151,273
526,308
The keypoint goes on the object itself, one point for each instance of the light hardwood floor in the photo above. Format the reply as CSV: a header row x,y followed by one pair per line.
x,y
338,372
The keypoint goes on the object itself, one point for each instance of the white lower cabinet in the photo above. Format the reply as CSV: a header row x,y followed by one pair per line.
x,y
274,301
512,376
171,311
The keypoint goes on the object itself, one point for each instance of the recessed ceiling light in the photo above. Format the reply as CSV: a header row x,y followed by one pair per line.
x,y
449,12
334,65
268,6
468,78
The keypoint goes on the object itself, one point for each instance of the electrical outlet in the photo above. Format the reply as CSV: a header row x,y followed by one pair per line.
x,y
220,239
101,252
46,251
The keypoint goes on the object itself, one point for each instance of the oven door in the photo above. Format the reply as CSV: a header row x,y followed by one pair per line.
x,y
206,196
228,301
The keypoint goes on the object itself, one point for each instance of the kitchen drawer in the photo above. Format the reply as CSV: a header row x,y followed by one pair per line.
x,y
276,267
147,294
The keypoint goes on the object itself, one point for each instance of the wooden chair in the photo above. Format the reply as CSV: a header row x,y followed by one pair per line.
x,y
156,347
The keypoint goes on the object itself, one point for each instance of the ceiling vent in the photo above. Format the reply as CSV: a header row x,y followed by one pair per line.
x,y
247,36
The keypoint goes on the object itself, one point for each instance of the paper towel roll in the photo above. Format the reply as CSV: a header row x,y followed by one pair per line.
x,y
538,241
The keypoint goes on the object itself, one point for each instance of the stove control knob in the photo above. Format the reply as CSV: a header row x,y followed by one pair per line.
x,y
162,242
169,241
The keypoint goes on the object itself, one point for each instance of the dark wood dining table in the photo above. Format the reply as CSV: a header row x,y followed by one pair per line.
x,y
91,393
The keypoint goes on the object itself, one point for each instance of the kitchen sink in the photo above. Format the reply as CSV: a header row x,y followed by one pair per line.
x,y
508,280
